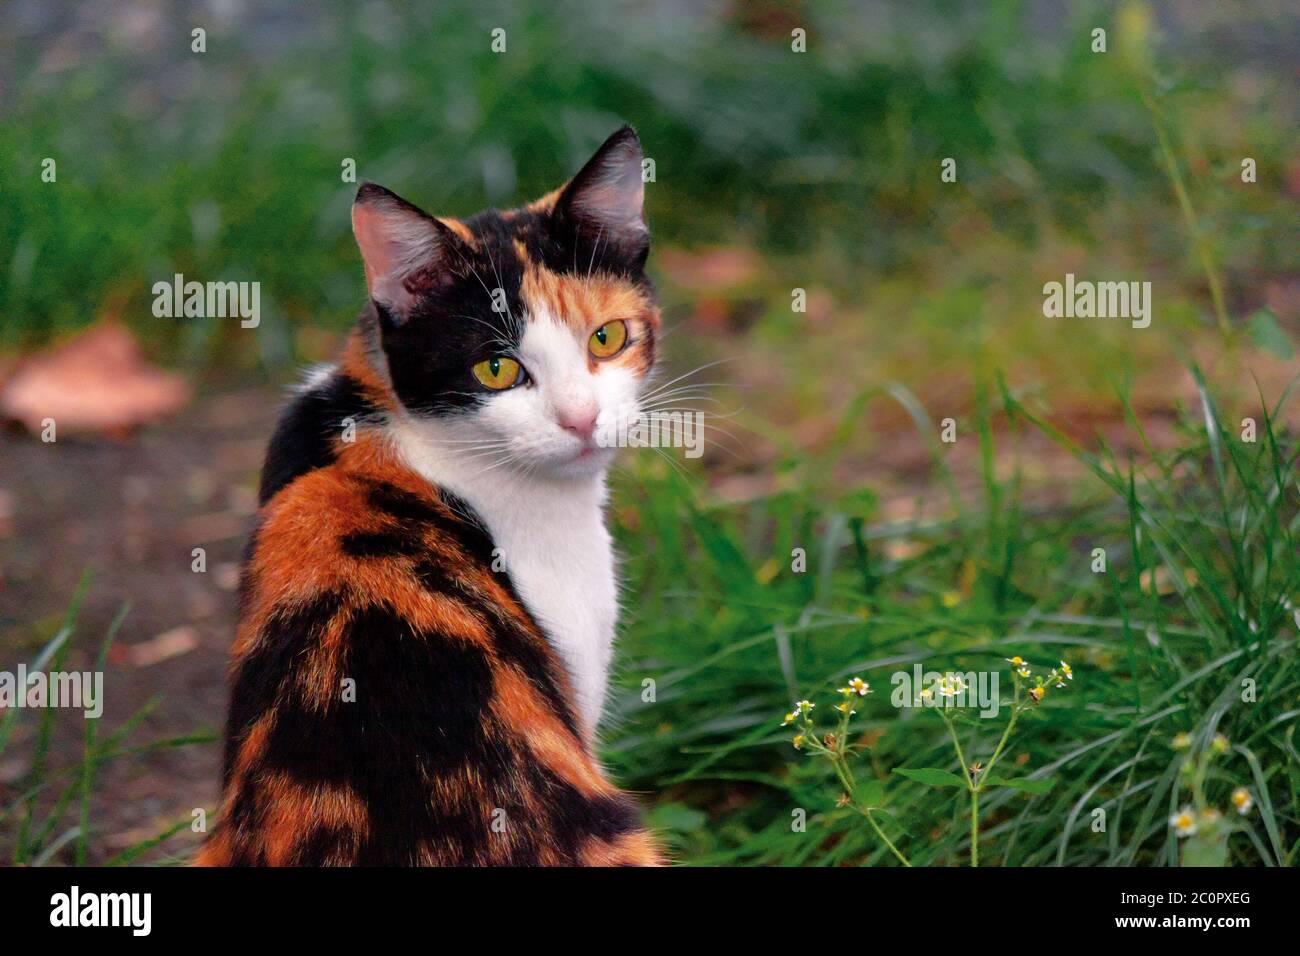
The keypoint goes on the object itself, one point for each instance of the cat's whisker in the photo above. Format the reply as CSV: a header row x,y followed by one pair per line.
x,y
594,248
677,466
493,465
694,371
469,441
734,444
666,409
500,285
660,393
506,345
676,399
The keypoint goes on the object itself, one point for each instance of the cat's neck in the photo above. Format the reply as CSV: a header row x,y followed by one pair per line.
x,y
553,543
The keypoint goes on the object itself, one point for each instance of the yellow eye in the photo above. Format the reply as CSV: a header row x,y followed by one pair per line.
x,y
608,340
497,372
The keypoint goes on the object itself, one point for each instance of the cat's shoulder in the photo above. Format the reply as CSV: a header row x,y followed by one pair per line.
x,y
322,412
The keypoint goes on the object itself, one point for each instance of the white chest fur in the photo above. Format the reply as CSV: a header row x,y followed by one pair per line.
x,y
554,544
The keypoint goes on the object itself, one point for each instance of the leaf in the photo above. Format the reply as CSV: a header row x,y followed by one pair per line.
x,y
1267,334
169,644
97,381
1036,787
872,793
1205,851
931,777
677,817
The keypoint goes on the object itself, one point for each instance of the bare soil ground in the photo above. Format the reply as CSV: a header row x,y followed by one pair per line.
x,y
132,511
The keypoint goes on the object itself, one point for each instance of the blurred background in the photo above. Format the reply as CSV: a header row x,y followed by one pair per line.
x,y
776,171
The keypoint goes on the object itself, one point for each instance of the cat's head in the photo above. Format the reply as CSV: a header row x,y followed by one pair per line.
x,y
520,337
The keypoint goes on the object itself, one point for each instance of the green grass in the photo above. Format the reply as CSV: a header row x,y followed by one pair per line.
x,y
48,819
728,650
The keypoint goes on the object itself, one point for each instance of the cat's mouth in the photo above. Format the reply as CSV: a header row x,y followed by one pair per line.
x,y
591,452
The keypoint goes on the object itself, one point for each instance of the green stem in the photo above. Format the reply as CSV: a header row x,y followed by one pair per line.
x,y
1006,734
961,759
846,781
881,833
971,788
846,778
1189,217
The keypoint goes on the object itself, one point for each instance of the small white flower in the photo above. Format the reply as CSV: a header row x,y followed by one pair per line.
x,y
1241,799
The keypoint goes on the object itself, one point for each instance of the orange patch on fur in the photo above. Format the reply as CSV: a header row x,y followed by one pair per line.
x,y
630,849
357,366
518,705
293,811
459,228
545,203
584,302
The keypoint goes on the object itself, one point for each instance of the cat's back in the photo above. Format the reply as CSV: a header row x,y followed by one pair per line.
x,y
392,700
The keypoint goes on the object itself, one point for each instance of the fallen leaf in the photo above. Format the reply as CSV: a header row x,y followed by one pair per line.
x,y
720,268
97,381
168,644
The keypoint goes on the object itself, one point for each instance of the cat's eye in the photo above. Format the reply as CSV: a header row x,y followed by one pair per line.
x,y
608,340
498,372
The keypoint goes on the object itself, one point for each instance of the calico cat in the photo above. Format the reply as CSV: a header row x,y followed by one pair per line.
x,y
428,601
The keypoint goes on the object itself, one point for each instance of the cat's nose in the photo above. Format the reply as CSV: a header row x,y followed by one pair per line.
x,y
581,420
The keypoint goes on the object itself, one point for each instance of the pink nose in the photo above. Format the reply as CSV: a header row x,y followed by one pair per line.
x,y
580,421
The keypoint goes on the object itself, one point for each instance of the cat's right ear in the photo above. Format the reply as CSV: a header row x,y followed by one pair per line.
x,y
406,251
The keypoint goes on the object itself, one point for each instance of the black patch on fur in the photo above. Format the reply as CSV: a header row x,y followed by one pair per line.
x,y
453,326
379,544
575,816
468,530
272,663
422,711
247,579
514,643
405,507
325,845
304,438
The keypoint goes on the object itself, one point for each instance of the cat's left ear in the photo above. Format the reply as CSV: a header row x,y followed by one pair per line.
x,y
603,205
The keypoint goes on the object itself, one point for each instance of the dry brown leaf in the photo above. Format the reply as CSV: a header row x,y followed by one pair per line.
x,y
719,269
97,381
168,644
